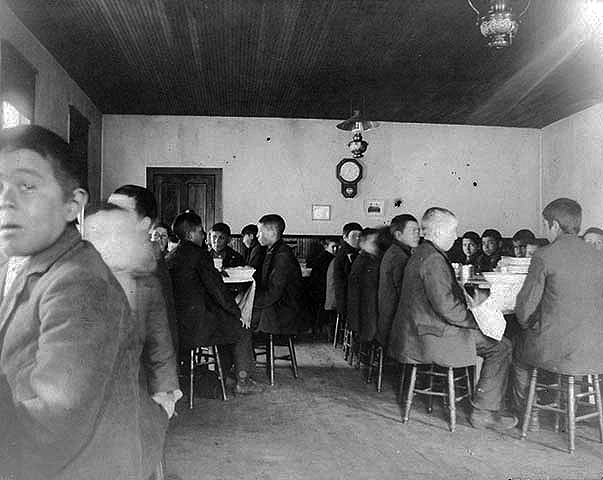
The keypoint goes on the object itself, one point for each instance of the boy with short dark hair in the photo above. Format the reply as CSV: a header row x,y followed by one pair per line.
x,y
471,248
253,252
219,238
70,352
520,242
594,236
491,250
347,253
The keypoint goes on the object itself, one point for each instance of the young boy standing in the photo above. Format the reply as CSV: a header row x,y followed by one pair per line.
x,y
69,350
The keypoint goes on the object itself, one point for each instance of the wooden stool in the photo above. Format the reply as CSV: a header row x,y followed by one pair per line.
x,y
337,331
197,356
565,386
375,359
268,351
348,344
437,372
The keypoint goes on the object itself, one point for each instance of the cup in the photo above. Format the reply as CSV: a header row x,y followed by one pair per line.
x,y
466,272
218,264
457,269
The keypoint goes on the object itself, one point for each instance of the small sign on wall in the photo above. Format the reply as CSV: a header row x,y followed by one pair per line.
x,y
374,208
321,212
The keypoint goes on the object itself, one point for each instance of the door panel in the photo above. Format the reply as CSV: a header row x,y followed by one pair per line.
x,y
179,189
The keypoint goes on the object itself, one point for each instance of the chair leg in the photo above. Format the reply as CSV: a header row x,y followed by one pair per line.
x,y
430,397
220,372
531,395
571,413
380,370
335,332
557,403
451,399
192,379
469,382
599,407
159,472
402,380
409,395
271,363
293,357
369,373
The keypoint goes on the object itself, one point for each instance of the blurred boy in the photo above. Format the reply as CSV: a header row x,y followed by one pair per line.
x,y
491,250
405,232
219,237
363,285
594,236
520,242
70,352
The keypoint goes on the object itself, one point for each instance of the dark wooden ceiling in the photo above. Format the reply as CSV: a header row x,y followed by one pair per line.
x,y
398,60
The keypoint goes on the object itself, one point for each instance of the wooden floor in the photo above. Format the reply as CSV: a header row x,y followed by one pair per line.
x,y
329,424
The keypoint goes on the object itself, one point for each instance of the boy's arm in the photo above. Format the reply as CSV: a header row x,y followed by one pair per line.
x,y
531,292
60,396
273,290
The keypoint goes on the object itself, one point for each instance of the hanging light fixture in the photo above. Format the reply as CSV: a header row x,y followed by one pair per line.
x,y
357,125
500,24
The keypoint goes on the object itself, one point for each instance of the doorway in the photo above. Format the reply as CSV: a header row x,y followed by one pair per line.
x,y
179,189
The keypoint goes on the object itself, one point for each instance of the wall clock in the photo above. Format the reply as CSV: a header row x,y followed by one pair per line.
x,y
349,173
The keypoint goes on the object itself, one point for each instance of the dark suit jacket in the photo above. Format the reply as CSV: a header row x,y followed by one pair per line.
x,y
363,284
206,311
487,263
432,322
342,264
318,276
390,285
560,307
230,257
69,360
278,300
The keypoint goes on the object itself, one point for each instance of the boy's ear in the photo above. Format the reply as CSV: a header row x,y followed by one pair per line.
x,y
146,223
76,204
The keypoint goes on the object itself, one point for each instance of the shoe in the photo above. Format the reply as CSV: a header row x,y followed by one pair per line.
x,y
248,386
493,420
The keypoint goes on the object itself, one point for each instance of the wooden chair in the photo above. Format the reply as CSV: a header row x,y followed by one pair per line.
x,y
566,401
268,351
435,374
375,360
198,356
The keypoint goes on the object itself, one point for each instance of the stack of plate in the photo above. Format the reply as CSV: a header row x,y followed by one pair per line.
x,y
514,265
240,274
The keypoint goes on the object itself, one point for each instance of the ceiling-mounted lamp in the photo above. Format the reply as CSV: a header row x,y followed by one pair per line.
x,y
500,24
357,124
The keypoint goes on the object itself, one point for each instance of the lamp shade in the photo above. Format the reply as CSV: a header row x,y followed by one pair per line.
x,y
357,122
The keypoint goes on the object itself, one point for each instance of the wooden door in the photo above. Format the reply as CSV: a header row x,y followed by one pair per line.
x,y
179,189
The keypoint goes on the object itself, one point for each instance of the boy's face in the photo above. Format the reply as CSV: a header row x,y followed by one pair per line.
x,y
129,203
331,247
489,245
248,239
218,240
595,240
160,236
370,245
410,234
353,238
519,248
33,209
530,250
267,236
197,236
470,248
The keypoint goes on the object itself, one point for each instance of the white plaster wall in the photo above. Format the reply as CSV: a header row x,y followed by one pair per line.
x,y
573,162
425,165
55,91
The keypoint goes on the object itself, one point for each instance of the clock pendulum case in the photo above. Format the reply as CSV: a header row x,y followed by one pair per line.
x,y
349,173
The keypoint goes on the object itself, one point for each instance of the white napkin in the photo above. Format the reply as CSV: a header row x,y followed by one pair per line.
x,y
490,319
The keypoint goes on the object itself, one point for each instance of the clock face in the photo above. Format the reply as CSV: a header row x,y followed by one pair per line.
x,y
349,171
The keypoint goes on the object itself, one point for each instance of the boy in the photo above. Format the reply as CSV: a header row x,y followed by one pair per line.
x,y
363,284
405,233
520,242
70,352
471,248
491,246
219,237
594,236
318,280
342,264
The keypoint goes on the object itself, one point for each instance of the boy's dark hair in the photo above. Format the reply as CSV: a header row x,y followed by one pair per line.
x,y
567,213
325,241
172,237
350,227
368,231
473,236
186,222
161,225
221,227
524,236
97,207
399,222
495,234
595,230
144,200
275,221
49,146
250,229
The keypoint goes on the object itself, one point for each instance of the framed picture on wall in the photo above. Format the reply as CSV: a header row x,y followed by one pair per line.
x,y
374,208
321,212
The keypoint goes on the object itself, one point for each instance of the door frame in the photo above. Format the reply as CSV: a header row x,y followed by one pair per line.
x,y
216,172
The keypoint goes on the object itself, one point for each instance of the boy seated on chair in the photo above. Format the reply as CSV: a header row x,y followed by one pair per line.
x,y
560,303
219,237
491,250
521,239
70,398
206,310
594,236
